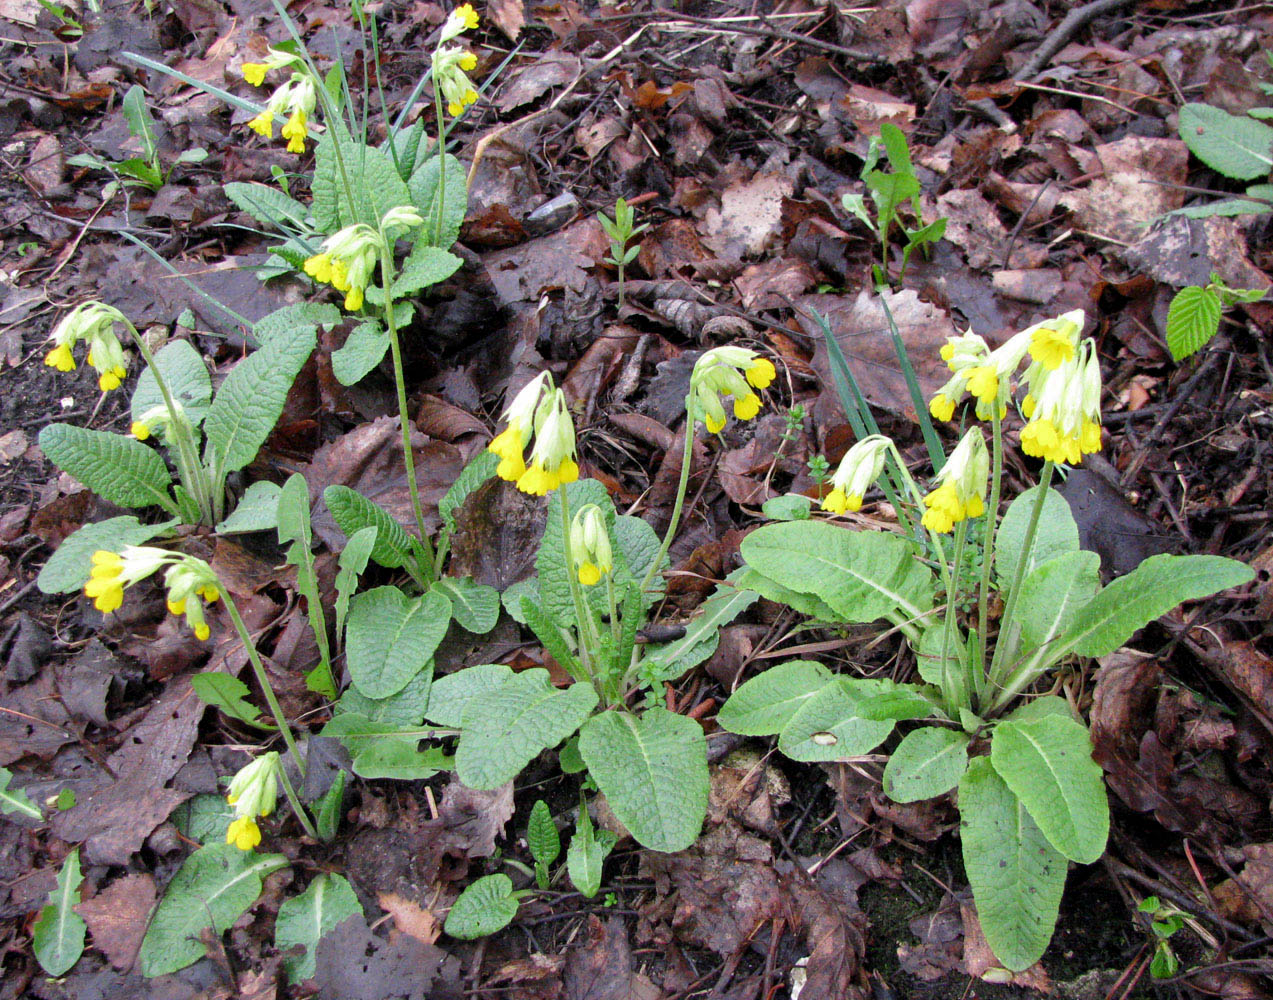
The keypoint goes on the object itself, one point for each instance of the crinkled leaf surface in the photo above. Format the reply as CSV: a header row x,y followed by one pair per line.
x,y
68,568
483,908
928,762
765,704
451,693
352,512
121,470
474,606
390,637
186,376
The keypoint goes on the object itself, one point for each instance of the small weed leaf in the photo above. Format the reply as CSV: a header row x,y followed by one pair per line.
x,y
541,835
1193,318
58,935
14,800
483,908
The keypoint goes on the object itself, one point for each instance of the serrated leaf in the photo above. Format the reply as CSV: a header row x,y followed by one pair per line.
x,y
1047,762
212,889
121,470
505,730
1236,145
330,807
586,855
1017,877
653,772
1152,589
256,511
68,568
549,633
425,195
1056,534
390,638
1193,318
927,763
765,704
14,800
486,906
292,512
352,182
474,606
187,379
228,694
451,693
352,512
362,350
861,575
138,119
353,560
306,919
479,469
267,205
251,398
57,937
541,834
671,660
427,265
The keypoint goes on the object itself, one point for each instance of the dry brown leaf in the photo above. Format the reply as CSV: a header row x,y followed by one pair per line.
x,y
750,216
411,918
980,961
1140,183
117,917
507,15
974,225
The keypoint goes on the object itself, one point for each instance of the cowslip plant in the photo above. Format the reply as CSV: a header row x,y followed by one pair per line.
x,y
207,435
1031,798
889,191
1193,317
621,230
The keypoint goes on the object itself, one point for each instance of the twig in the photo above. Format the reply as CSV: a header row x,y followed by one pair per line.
x,y
1070,26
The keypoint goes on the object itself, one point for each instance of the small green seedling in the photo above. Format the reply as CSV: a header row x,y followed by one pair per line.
x,y
543,840
145,170
1193,317
1164,922
621,230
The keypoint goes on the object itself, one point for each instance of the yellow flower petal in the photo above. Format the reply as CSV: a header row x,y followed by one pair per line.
x,y
761,373
61,358
254,73
589,575
243,833
263,124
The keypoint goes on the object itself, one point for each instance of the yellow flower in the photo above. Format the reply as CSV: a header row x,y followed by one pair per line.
x,y
552,459
263,124
528,409
139,430
728,372
449,65
1054,341
61,358
1064,409
254,73
112,573
942,407
243,833
590,550
961,485
857,472
93,322
347,261
295,132
462,19
105,584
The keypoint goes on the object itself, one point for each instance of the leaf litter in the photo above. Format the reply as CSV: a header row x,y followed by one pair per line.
x,y
735,135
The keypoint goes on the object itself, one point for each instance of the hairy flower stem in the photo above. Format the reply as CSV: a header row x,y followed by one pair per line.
x,y
956,690
437,106
988,549
284,728
687,459
1008,628
399,378
583,615
188,465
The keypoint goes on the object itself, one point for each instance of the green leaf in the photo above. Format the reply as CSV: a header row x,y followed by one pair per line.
x,y
251,398
1152,589
385,749
789,507
267,205
1056,534
229,694
424,193
187,379
14,800
1052,597
212,889
1193,318
653,771
549,633
1237,146
515,593
352,182
362,350
405,708
1016,876
391,638
764,705
1037,708
671,660
121,470
68,568
550,563
806,604
203,818
257,511
285,321
862,575
928,657
329,808
294,526
1048,764
451,693
637,546
479,469
57,937
586,855
504,730
848,718
138,118
541,834
352,562
474,606
352,512
926,763
304,920
486,906
427,265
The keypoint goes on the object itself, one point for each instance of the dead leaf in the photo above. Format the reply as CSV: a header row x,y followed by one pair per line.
x,y
1180,251
769,284
833,930
1139,183
351,962
117,918
980,961
600,967
1110,526
508,15
562,260
974,226
750,216
410,918
549,69
940,948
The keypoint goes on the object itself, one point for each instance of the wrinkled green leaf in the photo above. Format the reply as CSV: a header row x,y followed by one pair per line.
x,y
121,470
304,920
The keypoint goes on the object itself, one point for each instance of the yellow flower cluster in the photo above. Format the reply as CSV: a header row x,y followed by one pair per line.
x,y
538,411
590,549
728,372
253,792
857,472
347,262
296,98
452,64
189,581
960,486
93,322
1063,409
